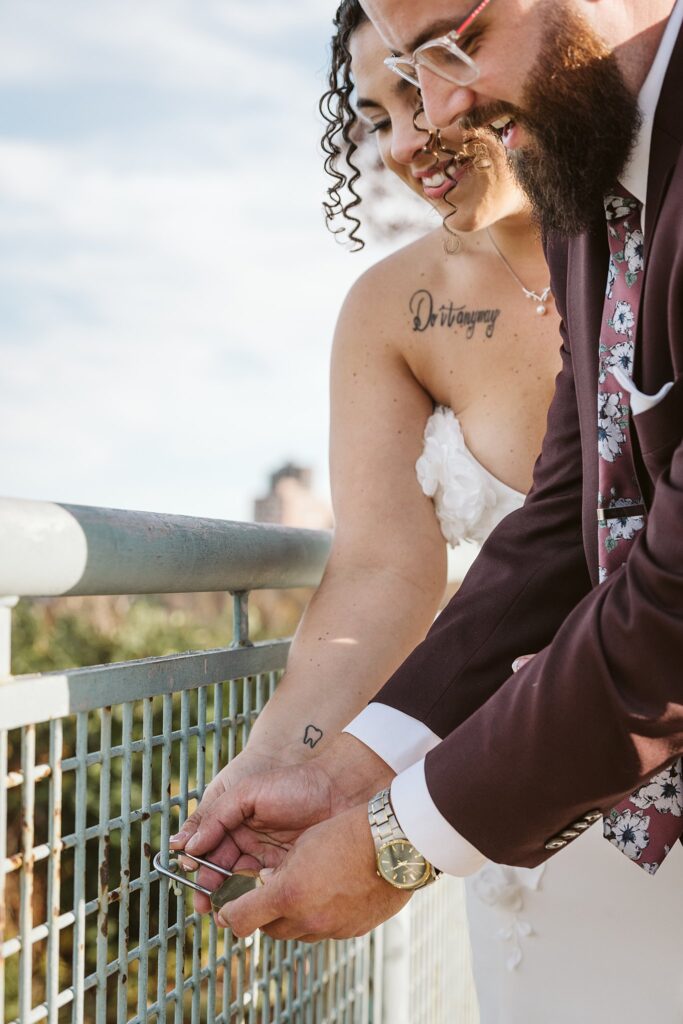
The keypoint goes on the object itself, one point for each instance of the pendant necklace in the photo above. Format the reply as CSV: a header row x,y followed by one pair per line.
x,y
540,300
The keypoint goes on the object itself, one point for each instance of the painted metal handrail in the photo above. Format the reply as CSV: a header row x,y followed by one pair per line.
x,y
49,549
135,742
139,740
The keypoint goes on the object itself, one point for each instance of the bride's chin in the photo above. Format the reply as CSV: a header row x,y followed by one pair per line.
x,y
460,219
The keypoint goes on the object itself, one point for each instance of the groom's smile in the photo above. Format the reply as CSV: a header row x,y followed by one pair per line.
x,y
568,124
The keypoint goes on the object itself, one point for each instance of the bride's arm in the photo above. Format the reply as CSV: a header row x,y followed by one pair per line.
x,y
387,568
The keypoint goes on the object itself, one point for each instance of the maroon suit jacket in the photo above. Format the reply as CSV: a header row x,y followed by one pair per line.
x,y
600,709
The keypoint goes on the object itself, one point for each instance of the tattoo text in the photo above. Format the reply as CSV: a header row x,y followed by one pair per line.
x,y
426,314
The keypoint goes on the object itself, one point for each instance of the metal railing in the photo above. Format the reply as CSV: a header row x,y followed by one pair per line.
x,y
94,764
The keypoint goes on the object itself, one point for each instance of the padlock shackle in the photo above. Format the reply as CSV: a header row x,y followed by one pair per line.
x,y
163,870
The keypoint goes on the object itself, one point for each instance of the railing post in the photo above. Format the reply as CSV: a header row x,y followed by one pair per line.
x,y
6,606
240,619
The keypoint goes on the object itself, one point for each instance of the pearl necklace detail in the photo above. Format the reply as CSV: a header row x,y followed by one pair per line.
x,y
540,300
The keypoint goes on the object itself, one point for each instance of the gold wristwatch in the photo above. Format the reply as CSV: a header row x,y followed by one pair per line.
x,y
398,862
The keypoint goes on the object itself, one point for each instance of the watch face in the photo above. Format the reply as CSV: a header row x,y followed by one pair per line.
x,y
400,864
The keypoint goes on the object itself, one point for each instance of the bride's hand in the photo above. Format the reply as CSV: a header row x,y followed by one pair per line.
x,y
251,761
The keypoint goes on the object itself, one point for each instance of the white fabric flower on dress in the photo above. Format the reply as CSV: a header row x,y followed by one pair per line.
x,y
449,474
664,792
629,832
505,887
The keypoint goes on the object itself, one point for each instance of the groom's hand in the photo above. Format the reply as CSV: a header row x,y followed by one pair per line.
x,y
327,886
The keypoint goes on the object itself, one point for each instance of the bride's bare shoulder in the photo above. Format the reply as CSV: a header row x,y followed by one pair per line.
x,y
377,292
425,255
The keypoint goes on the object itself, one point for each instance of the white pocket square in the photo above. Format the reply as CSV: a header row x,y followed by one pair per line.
x,y
640,402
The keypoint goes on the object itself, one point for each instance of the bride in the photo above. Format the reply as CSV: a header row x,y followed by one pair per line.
x,y
442,372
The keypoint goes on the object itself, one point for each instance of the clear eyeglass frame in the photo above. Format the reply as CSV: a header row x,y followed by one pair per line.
x,y
465,73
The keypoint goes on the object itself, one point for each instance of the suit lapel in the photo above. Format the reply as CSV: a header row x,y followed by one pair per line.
x,y
666,141
665,147
586,281
664,154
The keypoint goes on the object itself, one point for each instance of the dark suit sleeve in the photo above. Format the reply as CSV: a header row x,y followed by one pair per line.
x,y
592,717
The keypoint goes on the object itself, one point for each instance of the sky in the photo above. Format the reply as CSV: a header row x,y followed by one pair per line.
x,y
168,290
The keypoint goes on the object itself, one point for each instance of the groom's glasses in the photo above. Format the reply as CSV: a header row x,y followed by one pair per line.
x,y
442,56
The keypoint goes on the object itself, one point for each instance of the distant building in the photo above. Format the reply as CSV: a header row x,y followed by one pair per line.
x,y
291,501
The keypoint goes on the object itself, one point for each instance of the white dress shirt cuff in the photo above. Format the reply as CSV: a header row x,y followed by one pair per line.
x,y
426,827
396,737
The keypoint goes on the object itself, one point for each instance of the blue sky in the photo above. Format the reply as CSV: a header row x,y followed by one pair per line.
x,y
167,289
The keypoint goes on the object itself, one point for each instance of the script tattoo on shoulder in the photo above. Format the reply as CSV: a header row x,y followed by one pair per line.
x,y
426,313
312,736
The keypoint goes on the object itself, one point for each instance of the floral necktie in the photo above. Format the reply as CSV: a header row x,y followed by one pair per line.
x,y
645,825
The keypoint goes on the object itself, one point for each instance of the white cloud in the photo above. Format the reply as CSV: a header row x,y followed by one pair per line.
x,y
168,292
164,43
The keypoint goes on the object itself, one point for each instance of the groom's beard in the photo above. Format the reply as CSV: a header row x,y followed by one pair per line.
x,y
582,121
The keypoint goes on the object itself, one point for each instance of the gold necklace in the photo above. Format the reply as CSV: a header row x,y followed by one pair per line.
x,y
541,300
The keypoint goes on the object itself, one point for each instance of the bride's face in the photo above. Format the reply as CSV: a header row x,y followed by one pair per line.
x,y
469,174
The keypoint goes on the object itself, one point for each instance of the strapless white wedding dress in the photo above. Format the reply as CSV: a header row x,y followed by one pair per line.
x,y
588,937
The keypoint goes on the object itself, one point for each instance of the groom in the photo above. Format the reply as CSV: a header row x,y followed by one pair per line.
x,y
587,95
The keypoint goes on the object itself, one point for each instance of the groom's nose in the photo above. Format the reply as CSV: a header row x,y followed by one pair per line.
x,y
444,102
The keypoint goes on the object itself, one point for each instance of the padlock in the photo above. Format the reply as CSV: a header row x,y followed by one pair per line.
x,y
236,883
233,887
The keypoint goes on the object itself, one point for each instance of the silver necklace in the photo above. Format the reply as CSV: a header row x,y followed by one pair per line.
x,y
540,300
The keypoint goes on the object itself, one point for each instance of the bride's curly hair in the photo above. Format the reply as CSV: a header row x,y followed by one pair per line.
x,y
338,141
343,133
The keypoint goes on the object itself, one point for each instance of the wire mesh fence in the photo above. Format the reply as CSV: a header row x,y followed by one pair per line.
x,y
88,930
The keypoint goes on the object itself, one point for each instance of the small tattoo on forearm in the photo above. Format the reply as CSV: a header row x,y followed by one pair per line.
x,y
312,736
427,314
